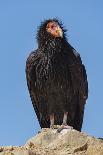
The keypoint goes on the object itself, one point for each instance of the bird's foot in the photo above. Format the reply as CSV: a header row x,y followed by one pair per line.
x,y
64,126
52,126
55,126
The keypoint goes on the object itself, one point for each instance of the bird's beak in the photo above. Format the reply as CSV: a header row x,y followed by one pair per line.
x,y
59,32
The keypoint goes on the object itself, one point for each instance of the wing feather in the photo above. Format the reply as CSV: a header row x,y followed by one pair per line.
x,y
32,63
79,76
80,85
31,81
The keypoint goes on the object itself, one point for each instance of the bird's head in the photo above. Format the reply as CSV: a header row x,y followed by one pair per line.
x,y
51,29
54,29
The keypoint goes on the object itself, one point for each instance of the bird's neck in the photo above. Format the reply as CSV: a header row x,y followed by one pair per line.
x,y
52,47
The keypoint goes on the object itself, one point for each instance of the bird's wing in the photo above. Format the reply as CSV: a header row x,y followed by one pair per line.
x,y
31,66
31,80
80,87
84,82
79,73
82,96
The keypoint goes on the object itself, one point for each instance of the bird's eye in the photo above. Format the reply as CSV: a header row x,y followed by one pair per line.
x,y
53,26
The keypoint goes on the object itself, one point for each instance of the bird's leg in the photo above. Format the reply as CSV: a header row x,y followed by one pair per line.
x,y
52,121
65,118
64,124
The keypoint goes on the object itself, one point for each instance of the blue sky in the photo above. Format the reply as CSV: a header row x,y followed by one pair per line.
x,y
18,26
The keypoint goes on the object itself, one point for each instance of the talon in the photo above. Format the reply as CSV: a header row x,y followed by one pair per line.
x,y
64,127
59,130
52,126
68,127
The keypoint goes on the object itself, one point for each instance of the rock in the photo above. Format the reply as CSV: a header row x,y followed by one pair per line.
x,y
49,142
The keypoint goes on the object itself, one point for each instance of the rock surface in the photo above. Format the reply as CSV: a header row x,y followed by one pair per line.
x,y
49,142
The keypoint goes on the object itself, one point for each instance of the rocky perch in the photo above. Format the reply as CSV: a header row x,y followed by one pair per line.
x,y
49,142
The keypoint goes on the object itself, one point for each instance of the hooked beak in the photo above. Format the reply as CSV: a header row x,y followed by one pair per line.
x,y
59,32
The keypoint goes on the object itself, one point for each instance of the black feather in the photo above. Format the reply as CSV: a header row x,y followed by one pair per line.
x,y
56,79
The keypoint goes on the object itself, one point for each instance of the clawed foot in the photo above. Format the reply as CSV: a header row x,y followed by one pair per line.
x,y
54,126
64,127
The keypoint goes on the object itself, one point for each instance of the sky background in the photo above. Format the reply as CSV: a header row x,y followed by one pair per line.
x,y
18,25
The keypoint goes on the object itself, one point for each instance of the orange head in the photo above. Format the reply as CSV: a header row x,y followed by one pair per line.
x,y
54,29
